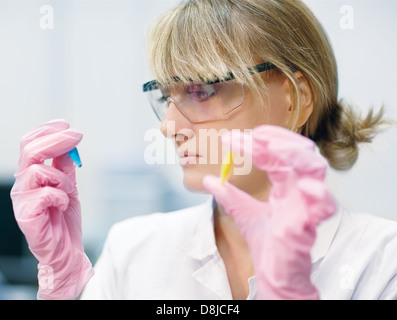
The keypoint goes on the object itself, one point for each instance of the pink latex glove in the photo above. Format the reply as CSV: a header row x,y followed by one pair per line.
x,y
281,231
47,210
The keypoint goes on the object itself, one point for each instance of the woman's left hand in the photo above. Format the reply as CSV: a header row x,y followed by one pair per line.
x,y
281,231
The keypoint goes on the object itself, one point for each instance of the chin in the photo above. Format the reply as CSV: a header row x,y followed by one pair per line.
x,y
193,183
193,177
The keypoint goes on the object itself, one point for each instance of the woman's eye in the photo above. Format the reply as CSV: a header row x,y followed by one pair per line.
x,y
163,99
201,92
165,94
200,95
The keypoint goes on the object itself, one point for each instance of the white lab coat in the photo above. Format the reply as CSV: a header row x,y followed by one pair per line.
x,y
174,256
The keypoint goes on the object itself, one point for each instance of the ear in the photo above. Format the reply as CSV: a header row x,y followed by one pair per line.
x,y
307,99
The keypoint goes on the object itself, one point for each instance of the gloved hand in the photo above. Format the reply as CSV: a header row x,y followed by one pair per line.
x,y
281,231
47,210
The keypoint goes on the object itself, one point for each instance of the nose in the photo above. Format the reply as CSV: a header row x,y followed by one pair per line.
x,y
175,125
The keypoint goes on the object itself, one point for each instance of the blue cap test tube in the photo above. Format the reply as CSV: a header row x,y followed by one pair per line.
x,y
74,154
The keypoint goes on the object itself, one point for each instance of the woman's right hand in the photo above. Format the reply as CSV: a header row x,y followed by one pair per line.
x,y
47,210
281,231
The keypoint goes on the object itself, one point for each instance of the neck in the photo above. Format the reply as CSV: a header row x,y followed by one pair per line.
x,y
226,229
225,225
231,244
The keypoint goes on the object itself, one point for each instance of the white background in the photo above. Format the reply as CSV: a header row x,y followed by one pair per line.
x,y
90,68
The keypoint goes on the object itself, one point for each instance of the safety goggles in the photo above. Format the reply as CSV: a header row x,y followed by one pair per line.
x,y
199,101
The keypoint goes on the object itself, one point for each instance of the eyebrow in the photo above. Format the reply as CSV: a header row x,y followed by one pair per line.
x,y
154,84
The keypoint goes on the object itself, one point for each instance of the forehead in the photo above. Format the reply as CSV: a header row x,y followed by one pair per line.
x,y
197,42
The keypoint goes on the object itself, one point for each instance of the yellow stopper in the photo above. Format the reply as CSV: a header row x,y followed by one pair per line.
x,y
226,168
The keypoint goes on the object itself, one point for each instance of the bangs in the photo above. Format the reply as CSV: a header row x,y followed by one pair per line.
x,y
200,44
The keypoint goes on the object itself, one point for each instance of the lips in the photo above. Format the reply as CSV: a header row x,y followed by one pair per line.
x,y
189,160
186,157
184,154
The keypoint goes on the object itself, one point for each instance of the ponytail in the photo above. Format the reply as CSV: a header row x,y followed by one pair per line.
x,y
340,131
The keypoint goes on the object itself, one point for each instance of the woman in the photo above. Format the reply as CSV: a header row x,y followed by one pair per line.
x,y
264,67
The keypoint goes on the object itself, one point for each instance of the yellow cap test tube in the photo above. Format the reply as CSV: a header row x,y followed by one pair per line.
x,y
226,168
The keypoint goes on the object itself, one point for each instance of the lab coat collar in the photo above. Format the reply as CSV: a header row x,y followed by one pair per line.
x,y
325,234
210,270
202,242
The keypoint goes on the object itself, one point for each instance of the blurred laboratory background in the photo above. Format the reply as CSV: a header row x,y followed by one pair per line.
x,y
84,61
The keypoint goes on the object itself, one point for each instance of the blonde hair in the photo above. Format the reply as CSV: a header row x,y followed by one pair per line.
x,y
204,40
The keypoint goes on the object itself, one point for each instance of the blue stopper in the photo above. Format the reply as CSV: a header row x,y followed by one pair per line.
x,y
74,154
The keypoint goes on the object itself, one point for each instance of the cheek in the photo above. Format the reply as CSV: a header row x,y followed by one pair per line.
x,y
272,107
278,106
